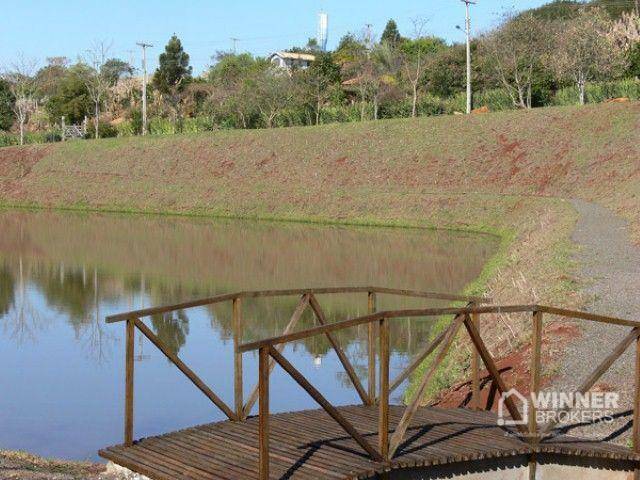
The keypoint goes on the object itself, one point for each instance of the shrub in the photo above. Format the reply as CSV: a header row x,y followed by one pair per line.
x,y
599,92
105,130
496,99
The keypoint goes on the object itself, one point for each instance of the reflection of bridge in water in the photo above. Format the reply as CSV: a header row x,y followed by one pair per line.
x,y
374,438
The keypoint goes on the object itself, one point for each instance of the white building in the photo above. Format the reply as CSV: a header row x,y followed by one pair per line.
x,y
291,60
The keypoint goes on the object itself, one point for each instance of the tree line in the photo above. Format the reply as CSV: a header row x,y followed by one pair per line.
x,y
565,52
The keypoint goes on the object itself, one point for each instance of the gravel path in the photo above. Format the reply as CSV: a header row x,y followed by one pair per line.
x,y
610,265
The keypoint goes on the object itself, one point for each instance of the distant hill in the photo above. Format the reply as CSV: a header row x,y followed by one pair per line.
x,y
564,9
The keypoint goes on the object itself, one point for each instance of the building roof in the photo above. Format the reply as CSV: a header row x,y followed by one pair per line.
x,y
294,56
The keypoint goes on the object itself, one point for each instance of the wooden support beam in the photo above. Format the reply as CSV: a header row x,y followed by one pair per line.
x,y
353,376
295,318
605,365
475,367
495,373
324,403
536,353
129,367
238,393
371,334
383,406
263,421
186,370
412,408
636,409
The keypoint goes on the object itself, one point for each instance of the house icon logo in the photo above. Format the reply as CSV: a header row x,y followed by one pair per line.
x,y
503,414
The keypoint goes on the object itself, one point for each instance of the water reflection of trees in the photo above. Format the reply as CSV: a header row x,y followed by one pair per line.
x,y
7,290
83,264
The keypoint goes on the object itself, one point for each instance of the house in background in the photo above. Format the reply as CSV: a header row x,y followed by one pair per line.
x,y
291,60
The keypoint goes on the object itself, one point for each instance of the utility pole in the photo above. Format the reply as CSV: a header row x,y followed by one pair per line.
x,y
468,4
235,44
144,47
368,38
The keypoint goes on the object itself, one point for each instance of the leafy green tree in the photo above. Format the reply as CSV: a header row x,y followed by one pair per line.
x,y
415,55
633,57
7,99
114,69
349,50
50,75
322,80
445,72
70,98
173,71
391,34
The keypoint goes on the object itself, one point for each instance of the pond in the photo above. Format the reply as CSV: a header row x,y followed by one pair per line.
x,y
62,380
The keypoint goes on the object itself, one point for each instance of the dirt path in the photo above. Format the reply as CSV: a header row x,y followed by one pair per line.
x,y
609,264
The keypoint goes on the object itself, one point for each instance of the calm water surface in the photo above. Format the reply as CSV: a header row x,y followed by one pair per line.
x,y
62,377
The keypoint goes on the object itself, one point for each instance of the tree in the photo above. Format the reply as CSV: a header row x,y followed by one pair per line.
x,y
22,85
115,69
349,51
445,71
7,100
391,34
585,50
323,80
173,71
414,57
70,97
515,54
229,74
97,80
270,91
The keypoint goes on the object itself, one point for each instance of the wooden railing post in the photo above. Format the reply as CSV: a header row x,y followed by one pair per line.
x,y
536,352
475,366
237,359
263,413
371,329
383,410
636,408
128,397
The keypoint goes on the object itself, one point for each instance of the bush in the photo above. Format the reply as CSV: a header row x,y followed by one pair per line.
x,y
457,103
105,130
599,92
7,139
496,99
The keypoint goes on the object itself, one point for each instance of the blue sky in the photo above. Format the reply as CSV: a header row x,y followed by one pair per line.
x,y
44,28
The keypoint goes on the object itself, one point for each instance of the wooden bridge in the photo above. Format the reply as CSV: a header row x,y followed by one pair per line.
x,y
373,438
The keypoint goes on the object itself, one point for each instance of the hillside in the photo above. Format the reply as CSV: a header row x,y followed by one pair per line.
x,y
390,171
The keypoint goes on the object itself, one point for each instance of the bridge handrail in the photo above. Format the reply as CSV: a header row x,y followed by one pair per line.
x,y
147,312
378,322
432,312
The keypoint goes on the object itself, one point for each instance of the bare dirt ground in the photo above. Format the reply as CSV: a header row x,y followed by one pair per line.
x,y
24,466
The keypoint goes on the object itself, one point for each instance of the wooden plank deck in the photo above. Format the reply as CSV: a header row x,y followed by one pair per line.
x,y
310,445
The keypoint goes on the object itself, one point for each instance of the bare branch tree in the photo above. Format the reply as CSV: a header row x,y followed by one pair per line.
x,y
414,61
514,51
22,84
587,50
96,80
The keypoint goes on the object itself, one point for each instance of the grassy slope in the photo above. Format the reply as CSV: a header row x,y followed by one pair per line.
x,y
392,171
500,173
